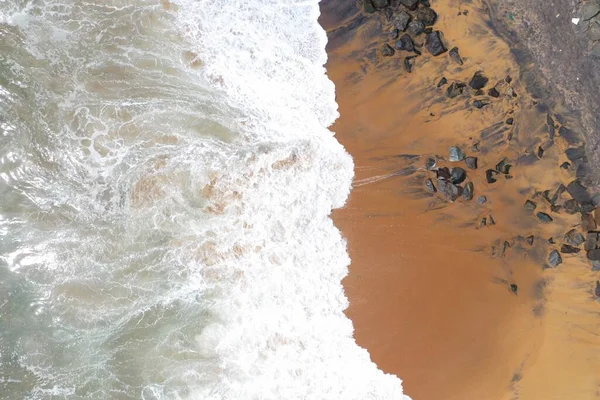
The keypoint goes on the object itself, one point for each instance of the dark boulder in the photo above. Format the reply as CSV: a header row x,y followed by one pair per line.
x,y
505,246
443,173
468,191
471,162
491,220
368,6
551,240
540,152
456,154
597,289
458,175
430,186
389,13
426,15
529,240
415,28
588,223
514,288
409,62
380,4
479,104
455,56
387,50
579,192
394,34
503,166
483,222
455,89
449,190
430,163
481,200
508,79
543,217
575,153
442,82
493,92
591,241
530,205
510,121
571,206
490,175
401,21
405,43
410,4
559,191
574,237
594,255
568,249
478,81
554,259
565,165
434,43
587,208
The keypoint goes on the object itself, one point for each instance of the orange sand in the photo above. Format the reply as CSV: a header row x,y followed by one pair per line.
x,y
428,299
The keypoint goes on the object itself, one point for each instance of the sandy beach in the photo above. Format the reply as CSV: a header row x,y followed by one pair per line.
x,y
457,307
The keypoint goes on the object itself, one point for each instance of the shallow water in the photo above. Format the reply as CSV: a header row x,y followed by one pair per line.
x,y
166,181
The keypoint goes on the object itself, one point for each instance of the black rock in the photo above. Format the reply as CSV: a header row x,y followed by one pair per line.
x,y
456,154
442,82
510,121
508,79
574,237
543,217
483,222
571,206
489,175
530,205
368,6
594,255
568,249
425,3
478,81
380,4
471,162
575,154
430,186
579,192
494,92
409,62
559,191
411,4
530,240
591,241
491,220
551,240
565,165
415,28
505,246
587,222
597,289
387,50
503,167
402,20
458,175
426,15
540,152
468,191
430,163
443,173
389,13
479,104
394,34
449,190
434,43
587,208
405,43
555,208
455,89
554,259
455,56
481,200
514,288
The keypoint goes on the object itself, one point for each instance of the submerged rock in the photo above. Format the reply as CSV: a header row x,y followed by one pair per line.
x,y
455,89
405,43
568,249
554,259
434,43
402,20
455,56
456,154
574,237
471,162
478,81
387,50
457,175
545,218
426,15
468,192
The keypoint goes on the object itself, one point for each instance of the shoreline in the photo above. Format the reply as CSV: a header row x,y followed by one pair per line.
x,y
454,308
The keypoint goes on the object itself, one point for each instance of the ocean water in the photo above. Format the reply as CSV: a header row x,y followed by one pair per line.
x,y
166,180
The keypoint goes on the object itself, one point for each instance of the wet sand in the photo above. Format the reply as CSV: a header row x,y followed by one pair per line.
x,y
429,286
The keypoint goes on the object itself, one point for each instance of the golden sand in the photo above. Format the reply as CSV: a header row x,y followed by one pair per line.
x,y
428,286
